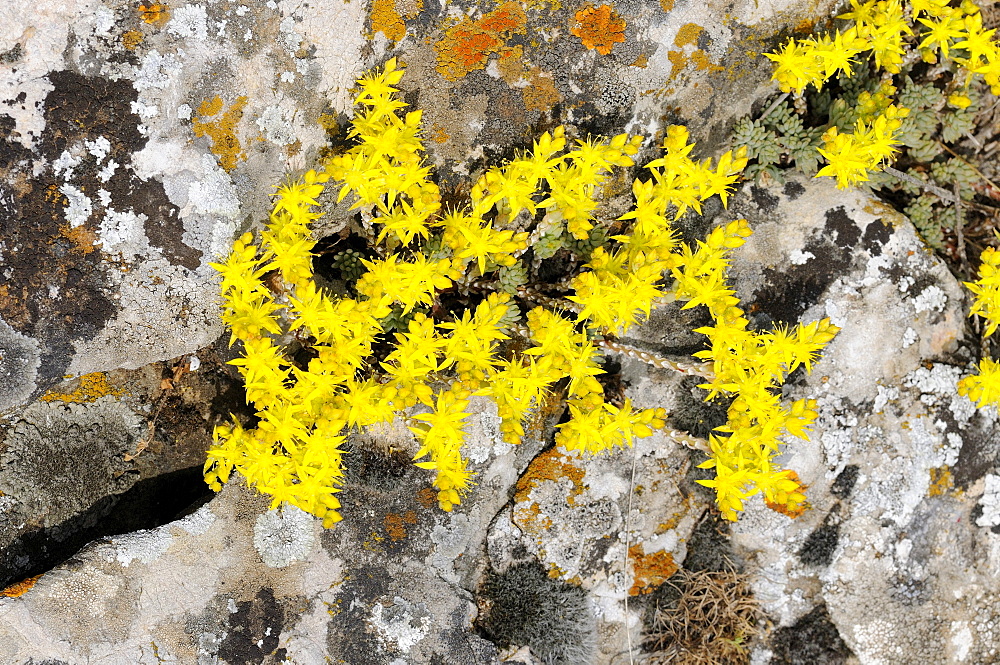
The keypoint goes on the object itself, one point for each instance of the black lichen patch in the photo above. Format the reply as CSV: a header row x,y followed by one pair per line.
x,y
53,287
813,640
821,544
523,606
350,636
793,190
841,229
843,484
47,290
12,151
84,107
876,235
978,455
252,632
163,224
764,199
788,293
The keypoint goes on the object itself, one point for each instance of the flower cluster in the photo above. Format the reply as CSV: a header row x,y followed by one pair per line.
x,y
308,360
750,367
881,29
984,387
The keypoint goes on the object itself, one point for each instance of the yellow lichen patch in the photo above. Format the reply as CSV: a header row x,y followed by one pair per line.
x,y
701,62
395,524
650,570
942,482
642,61
20,588
84,239
386,19
551,465
678,60
599,28
468,45
221,130
131,39
438,135
541,94
92,387
688,34
154,13
511,65
666,5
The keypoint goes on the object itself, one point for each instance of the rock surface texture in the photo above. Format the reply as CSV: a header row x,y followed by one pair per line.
x,y
137,140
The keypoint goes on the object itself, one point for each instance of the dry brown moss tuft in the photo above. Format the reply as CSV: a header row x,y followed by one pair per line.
x,y
709,619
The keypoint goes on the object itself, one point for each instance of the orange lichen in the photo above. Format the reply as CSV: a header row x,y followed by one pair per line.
x,y
395,524
942,482
649,570
154,12
551,465
507,18
222,130
427,497
438,135
386,19
599,28
131,39
92,387
666,5
790,503
468,45
20,588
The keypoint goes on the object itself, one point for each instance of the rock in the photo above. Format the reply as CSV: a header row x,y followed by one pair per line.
x,y
890,554
137,142
235,582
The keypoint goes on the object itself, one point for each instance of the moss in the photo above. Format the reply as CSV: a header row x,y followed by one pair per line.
x,y
523,606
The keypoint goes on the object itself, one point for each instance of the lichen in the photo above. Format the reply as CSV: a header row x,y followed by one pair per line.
x,y
20,588
599,28
385,19
395,523
92,387
222,130
155,13
649,570
467,46
551,465
541,94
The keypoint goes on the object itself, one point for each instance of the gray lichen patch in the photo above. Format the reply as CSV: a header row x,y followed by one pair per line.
x,y
19,360
284,536
59,459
